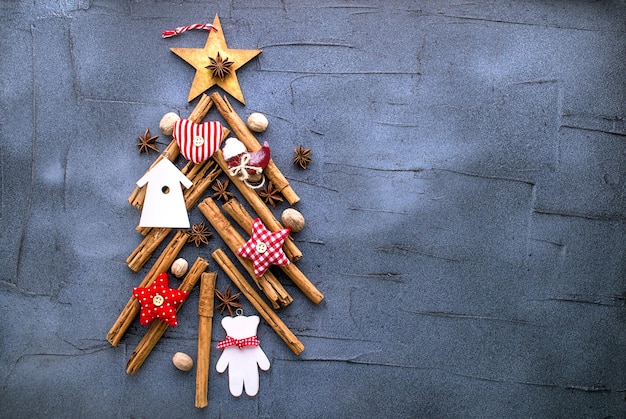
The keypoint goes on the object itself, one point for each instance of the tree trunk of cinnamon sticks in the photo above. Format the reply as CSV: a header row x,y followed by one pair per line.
x,y
249,140
158,326
245,220
205,324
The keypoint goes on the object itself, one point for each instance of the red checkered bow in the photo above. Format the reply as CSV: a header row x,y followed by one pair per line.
x,y
230,341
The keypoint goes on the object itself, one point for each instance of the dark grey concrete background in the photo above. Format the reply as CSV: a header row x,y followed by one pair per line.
x,y
465,207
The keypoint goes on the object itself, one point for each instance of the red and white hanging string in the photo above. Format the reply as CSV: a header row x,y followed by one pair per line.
x,y
181,29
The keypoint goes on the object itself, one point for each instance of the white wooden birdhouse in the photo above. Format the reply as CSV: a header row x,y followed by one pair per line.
x,y
164,205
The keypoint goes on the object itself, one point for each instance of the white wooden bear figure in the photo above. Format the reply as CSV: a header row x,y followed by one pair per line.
x,y
242,354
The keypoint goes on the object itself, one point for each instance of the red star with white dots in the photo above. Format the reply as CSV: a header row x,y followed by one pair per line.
x,y
159,301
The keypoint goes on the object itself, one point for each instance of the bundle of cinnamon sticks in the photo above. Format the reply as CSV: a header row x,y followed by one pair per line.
x,y
203,175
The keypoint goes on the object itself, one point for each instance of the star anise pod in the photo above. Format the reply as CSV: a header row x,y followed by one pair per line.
x,y
302,157
199,234
270,195
228,301
221,190
220,67
147,142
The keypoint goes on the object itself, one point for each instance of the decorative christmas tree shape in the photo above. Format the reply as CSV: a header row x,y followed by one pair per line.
x,y
216,64
164,205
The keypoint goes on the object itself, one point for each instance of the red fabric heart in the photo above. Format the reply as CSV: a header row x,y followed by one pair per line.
x,y
198,142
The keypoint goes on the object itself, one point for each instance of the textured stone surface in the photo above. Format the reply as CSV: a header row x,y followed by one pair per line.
x,y
465,207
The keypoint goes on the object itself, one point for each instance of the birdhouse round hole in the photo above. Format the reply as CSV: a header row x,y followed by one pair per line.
x,y
165,189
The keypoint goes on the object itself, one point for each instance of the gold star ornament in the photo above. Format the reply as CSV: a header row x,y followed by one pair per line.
x,y
216,64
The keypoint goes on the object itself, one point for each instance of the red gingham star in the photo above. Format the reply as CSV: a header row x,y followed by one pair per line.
x,y
159,301
265,248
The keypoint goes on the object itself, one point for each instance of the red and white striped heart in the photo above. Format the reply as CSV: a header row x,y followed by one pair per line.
x,y
198,142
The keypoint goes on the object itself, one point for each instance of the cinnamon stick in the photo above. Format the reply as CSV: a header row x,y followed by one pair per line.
x,y
153,239
255,299
205,324
268,283
158,326
172,151
245,220
264,213
132,308
146,248
249,140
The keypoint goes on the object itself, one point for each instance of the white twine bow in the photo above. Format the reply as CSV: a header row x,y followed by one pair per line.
x,y
241,171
